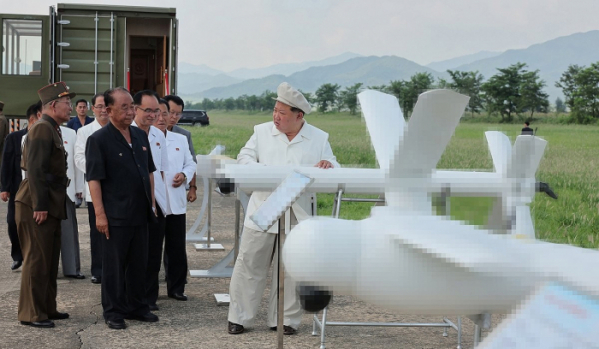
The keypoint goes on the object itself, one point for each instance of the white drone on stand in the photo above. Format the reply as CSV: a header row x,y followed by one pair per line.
x,y
404,257
407,259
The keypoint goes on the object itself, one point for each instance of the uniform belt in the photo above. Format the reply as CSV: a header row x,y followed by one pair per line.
x,y
58,180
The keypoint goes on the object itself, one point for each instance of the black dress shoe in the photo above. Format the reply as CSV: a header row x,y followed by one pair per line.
x,y
153,307
287,330
234,328
40,324
16,265
76,276
96,280
178,296
116,324
147,317
58,316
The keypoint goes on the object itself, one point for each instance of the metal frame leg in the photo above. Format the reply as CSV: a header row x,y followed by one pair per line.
x,y
323,327
477,335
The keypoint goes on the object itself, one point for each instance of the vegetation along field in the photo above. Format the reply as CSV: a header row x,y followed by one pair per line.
x,y
570,166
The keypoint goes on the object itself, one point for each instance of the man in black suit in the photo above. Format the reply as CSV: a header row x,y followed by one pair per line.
x,y
119,168
11,177
527,130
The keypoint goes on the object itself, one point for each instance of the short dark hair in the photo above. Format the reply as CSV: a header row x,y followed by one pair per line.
x,y
175,99
163,101
96,97
526,123
108,94
33,109
295,110
82,100
137,98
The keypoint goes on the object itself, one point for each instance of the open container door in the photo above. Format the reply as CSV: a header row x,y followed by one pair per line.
x,y
24,61
88,47
172,62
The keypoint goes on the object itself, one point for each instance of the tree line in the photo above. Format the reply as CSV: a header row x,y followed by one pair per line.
x,y
512,92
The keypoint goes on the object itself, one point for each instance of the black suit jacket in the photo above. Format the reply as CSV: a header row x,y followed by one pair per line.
x,y
10,173
123,172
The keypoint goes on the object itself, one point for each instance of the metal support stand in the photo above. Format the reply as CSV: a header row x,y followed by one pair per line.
x,y
321,325
222,269
477,335
209,246
281,281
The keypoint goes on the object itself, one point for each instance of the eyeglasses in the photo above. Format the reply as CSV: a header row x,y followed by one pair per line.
x,y
176,114
99,106
149,111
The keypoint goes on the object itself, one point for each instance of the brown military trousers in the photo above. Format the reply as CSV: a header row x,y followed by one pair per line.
x,y
41,252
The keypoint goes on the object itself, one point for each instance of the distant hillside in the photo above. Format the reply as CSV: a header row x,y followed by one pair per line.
x,y
186,68
368,70
457,61
195,82
289,68
551,58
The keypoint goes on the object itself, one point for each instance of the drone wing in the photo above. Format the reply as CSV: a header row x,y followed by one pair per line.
x,y
385,124
433,122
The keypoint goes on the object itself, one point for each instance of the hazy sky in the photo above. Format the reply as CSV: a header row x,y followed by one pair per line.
x,y
230,34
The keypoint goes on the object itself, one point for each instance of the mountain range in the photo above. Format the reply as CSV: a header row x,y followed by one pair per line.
x,y
551,58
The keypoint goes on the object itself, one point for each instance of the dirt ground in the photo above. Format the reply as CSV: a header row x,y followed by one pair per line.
x,y
200,322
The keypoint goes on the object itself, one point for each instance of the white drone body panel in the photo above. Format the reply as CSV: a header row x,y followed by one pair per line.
x,y
429,265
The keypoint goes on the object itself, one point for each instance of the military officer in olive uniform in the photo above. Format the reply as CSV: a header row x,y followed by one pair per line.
x,y
40,208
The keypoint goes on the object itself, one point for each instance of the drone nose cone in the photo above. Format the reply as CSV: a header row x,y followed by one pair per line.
x,y
313,298
323,252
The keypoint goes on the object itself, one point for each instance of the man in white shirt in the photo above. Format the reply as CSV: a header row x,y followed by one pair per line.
x,y
288,139
69,243
146,111
101,119
180,172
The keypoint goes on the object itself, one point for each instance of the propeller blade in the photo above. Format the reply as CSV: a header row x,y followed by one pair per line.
x,y
524,226
526,157
385,124
501,150
433,122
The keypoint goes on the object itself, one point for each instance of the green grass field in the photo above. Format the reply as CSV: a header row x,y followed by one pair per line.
x,y
570,166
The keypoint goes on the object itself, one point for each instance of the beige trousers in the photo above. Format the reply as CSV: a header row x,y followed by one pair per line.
x,y
256,252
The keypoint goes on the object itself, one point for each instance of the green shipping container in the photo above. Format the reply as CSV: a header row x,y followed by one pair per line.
x,y
91,48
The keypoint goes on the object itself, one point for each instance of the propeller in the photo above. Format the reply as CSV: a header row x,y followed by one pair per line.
x,y
517,166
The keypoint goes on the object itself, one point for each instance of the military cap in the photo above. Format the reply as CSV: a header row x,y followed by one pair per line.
x,y
54,91
292,97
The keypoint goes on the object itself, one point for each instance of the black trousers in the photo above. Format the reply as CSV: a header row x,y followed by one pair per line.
x,y
15,245
155,241
124,263
95,241
174,250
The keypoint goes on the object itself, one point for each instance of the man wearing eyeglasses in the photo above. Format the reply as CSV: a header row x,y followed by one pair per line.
x,y
101,119
41,206
146,111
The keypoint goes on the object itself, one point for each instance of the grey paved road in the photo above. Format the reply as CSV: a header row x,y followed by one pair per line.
x,y
199,322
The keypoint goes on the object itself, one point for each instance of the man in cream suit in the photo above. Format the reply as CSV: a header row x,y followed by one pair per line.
x,y
288,139
95,238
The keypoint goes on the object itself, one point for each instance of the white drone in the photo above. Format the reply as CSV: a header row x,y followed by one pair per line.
x,y
404,257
